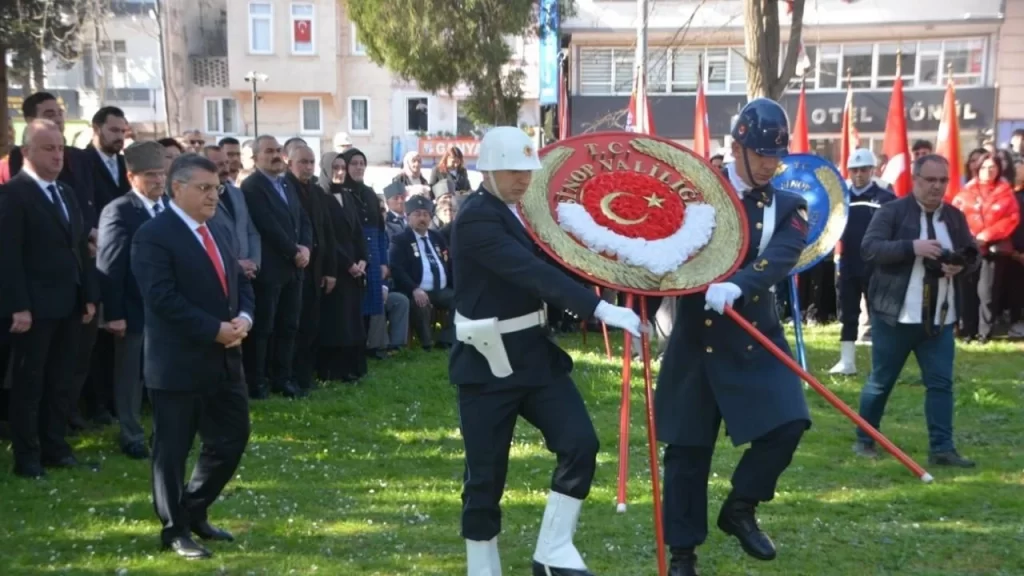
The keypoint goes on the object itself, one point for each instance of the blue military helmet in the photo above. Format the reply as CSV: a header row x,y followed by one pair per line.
x,y
763,127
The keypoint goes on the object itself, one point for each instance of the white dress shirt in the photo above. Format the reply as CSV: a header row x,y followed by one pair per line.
x,y
43,185
741,187
914,299
427,282
194,227
149,204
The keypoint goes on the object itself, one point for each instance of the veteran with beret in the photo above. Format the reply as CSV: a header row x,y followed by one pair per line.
x,y
714,371
122,310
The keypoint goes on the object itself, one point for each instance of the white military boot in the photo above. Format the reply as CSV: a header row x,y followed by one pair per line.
x,y
847,365
482,558
556,555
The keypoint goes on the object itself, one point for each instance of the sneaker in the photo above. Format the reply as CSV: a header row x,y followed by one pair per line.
x,y
865,450
951,458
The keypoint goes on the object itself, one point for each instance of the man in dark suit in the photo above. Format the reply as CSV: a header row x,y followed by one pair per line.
x,y
395,220
48,289
286,235
198,306
122,313
94,374
422,271
713,370
505,365
321,274
233,213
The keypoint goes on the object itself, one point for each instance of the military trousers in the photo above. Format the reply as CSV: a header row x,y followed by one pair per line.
x,y
687,468
487,419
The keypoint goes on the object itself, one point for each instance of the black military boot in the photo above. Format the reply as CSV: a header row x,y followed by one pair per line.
x,y
737,519
683,563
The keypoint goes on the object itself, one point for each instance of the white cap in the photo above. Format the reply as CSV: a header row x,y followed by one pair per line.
x,y
507,148
342,140
861,158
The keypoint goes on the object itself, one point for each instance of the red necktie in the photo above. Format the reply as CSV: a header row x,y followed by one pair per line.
x,y
211,251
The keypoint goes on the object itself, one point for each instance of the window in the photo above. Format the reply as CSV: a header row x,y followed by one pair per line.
x,y
965,60
686,70
716,67
221,116
598,73
929,56
302,28
111,66
417,118
888,55
657,70
261,28
737,70
806,68
311,115
857,62
358,48
829,77
359,115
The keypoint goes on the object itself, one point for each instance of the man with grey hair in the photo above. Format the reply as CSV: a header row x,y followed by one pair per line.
x,y
48,289
199,308
917,246
233,213
122,314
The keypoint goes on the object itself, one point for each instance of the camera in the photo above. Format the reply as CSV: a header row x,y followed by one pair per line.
x,y
961,258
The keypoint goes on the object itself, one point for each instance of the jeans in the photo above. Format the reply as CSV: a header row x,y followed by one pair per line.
x,y
891,346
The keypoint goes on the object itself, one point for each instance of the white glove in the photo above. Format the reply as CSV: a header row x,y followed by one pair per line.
x,y
619,317
721,295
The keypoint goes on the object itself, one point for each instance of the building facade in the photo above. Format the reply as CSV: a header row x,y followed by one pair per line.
x,y
314,80
692,42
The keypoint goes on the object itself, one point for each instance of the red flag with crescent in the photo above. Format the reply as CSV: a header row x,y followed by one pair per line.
x,y
303,31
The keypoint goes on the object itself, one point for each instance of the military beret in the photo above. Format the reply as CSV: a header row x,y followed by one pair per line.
x,y
394,190
144,156
418,202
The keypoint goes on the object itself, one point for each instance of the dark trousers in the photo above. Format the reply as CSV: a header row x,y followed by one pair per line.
x,y
891,345
43,361
850,290
487,420
423,317
128,387
81,370
306,336
687,469
278,307
221,418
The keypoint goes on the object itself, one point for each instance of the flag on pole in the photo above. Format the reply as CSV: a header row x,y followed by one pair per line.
x,y
947,144
799,139
895,147
850,137
701,132
639,118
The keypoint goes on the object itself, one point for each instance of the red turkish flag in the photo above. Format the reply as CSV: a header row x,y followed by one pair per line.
x,y
303,31
799,139
948,143
897,170
701,132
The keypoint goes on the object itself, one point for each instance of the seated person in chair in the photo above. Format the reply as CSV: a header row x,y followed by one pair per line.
x,y
422,271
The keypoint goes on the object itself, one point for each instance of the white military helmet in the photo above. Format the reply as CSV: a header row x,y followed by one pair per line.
x,y
507,148
861,158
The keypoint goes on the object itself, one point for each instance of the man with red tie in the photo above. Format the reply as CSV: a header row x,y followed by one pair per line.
x,y
198,306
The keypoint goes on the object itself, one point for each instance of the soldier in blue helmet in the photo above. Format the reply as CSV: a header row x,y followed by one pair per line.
x,y
714,371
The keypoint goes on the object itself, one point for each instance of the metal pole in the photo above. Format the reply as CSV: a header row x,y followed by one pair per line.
x,y
255,111
641,36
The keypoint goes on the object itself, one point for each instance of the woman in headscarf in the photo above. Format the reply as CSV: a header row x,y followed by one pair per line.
x,y
371,223
452,167
342,350
412,176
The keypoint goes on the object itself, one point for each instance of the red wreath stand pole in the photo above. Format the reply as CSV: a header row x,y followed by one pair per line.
x,y
828,395
604,331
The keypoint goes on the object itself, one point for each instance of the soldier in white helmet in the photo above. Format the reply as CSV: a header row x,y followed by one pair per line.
x,y
504,364
866,195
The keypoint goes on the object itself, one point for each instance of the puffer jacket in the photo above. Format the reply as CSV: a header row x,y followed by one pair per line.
x,y
991,210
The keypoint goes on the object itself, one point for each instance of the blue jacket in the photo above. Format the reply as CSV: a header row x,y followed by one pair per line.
x,y
862,208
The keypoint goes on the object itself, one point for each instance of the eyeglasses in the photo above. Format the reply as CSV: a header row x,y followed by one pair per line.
x,y
208,188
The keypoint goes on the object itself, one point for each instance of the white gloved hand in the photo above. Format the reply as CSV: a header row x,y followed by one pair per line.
x,y
721,295
619,317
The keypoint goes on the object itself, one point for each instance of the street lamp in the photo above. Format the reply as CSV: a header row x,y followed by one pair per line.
x,y
254,78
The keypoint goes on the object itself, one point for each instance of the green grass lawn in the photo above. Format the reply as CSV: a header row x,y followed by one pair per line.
x,y
365,480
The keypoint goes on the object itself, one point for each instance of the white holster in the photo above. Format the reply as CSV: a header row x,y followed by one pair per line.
x,y
485,336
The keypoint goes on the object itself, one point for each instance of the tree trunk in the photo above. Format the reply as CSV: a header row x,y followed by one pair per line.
x,y
38,71
762,39
5,117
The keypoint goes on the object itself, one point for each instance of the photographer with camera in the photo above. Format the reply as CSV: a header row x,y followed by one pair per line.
x,y
917,247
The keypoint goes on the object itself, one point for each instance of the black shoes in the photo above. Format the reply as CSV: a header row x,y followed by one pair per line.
x,y
951,458
187,548
542,570
136,451
737,519
683,563
32,471
208,532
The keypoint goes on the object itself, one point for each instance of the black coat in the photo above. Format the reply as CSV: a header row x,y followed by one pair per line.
x,y
104,188
341,320
44,263
283,228
77,174
498,274
713,367
406,265
322,261
119,222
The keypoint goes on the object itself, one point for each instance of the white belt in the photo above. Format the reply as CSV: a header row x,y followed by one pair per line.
x,y
517,324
